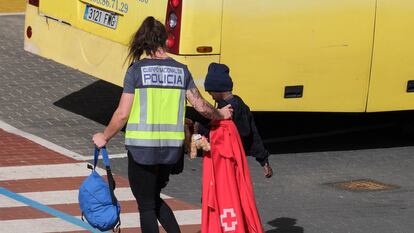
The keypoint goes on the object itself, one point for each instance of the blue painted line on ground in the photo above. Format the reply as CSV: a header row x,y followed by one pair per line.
x,y
47,209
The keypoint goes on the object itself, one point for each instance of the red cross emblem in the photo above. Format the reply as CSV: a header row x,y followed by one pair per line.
x,y
228,220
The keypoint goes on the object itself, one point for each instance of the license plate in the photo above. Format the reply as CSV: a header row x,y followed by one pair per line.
x,y
101,17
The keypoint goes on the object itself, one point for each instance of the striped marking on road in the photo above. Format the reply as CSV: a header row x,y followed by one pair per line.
x,y
63,197
22,212
53,184
128,220
46,171
68,218
183,228
47,186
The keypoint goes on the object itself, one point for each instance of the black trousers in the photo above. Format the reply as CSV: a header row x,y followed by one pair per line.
x,y
146,182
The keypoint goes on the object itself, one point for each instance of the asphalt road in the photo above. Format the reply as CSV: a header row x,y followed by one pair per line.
x,y
310,151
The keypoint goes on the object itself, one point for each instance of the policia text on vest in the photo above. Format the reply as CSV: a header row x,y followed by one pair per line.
x,y
162,76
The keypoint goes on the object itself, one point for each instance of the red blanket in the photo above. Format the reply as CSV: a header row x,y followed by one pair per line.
x,y
228,203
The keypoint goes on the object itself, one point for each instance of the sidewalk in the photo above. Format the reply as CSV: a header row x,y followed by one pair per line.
x,y
52,179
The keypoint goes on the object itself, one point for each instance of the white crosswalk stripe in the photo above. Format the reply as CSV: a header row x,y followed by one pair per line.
x,y
46,171
44,224
129,220
30,179
63,197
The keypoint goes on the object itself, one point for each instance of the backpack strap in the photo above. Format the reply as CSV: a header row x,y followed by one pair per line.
x,y
117,228
111,181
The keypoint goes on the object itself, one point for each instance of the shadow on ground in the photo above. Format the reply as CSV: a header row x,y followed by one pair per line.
x,y
96,102
284,225
282,132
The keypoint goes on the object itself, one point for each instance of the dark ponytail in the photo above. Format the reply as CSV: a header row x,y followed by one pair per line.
x,y
150,36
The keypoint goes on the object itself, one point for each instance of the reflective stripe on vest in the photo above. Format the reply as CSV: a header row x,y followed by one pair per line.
x,y
156,118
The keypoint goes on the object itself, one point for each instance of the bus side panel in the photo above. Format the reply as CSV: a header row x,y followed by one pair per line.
x,y
130,15
324,45
393,57
62,10
92,54
75,48
201,26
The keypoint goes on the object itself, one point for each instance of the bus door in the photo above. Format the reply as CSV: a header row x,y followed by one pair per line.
x,y
299,55
392,78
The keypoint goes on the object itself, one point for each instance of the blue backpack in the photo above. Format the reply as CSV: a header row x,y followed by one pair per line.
x,y
97,200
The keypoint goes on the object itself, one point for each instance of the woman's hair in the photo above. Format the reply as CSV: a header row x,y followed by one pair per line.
x,y
150,36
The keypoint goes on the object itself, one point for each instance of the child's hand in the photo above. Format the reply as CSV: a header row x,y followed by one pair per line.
x,y
187,134
188,122
198,142
268,171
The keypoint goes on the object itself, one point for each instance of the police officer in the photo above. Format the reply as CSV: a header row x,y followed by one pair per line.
x,y
153,106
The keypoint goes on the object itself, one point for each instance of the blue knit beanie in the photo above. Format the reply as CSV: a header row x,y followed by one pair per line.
x,y
218,78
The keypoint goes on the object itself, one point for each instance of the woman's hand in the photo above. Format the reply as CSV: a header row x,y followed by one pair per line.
x,y
99,140
226,112
205,108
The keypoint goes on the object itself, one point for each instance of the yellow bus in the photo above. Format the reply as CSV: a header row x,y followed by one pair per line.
x,y
285,55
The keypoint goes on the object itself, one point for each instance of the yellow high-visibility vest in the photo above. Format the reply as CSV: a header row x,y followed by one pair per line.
x,y
156,118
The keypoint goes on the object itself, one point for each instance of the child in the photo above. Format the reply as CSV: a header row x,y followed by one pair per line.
x,y
219,85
